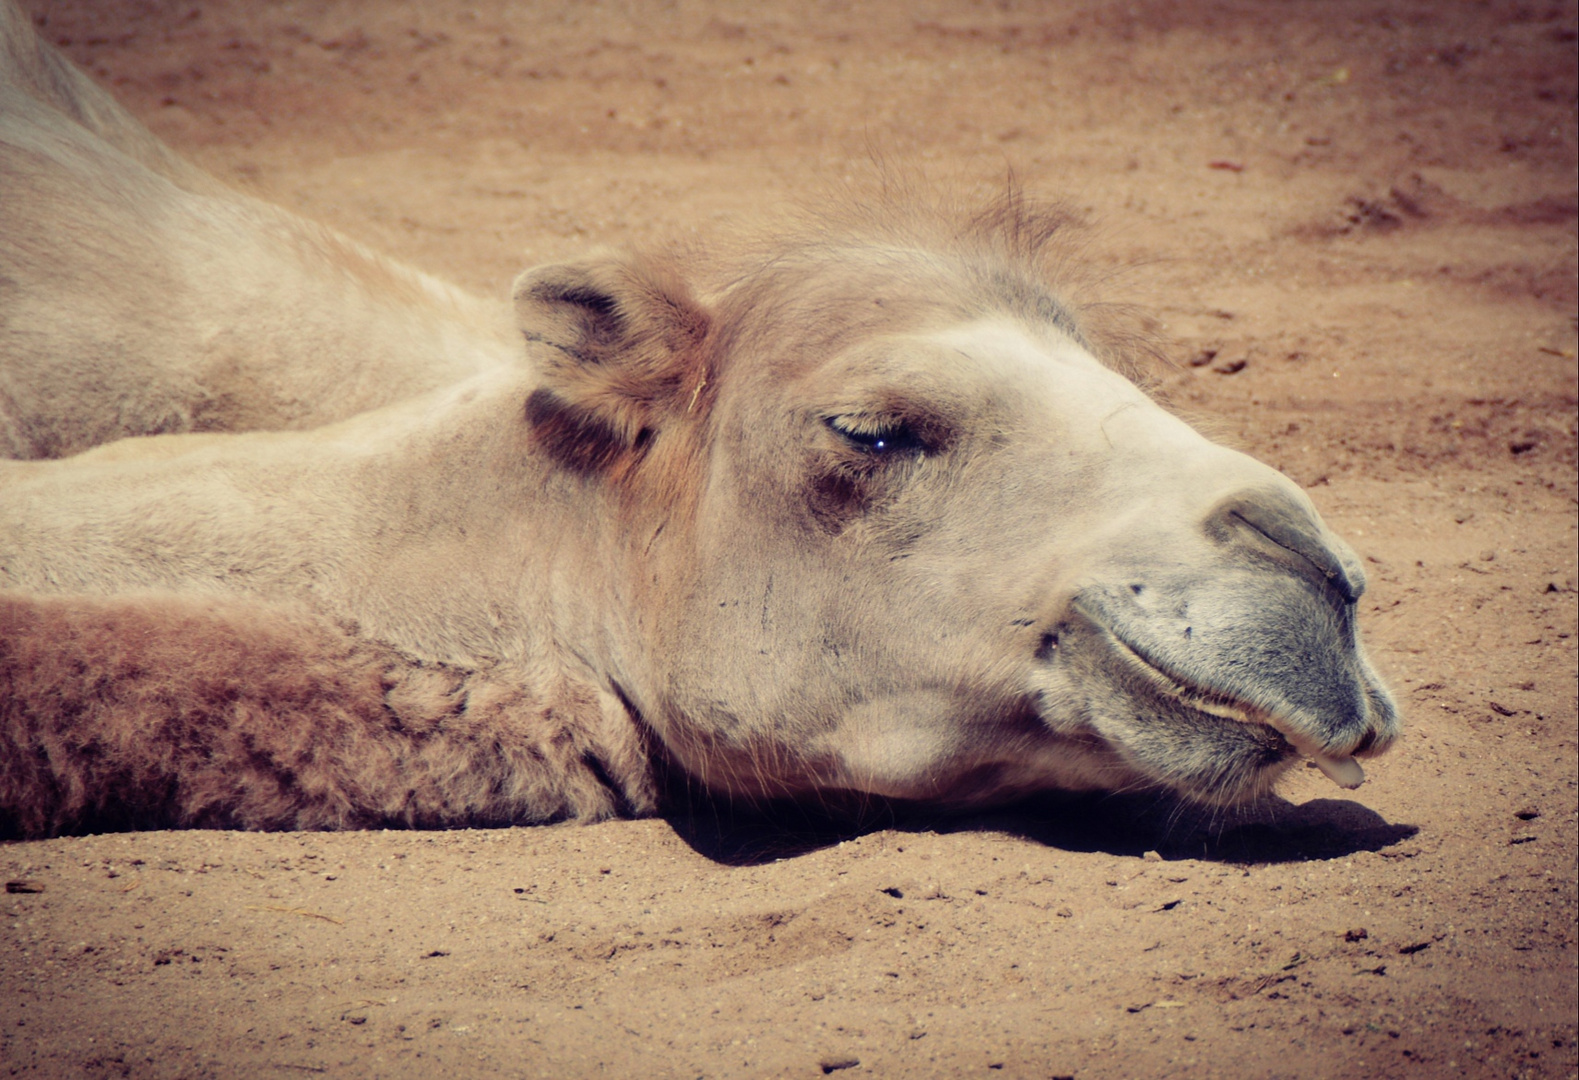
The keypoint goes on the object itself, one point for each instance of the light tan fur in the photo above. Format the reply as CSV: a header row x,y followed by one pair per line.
x,y
872,508
138,295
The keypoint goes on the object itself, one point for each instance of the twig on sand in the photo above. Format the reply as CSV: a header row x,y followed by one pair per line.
x,y
295,911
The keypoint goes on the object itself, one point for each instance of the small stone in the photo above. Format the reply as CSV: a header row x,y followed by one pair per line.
x,y
1152,856
1359,933
1529,813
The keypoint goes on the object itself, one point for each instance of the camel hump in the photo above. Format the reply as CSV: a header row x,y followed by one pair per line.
x,y
32,68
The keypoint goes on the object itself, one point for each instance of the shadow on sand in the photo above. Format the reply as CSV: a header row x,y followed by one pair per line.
x,y
1273,831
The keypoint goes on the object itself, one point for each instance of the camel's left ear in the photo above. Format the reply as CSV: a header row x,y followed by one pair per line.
x,y
625,341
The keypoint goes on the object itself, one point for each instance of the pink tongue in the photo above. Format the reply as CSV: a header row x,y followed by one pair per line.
x,y
1344,771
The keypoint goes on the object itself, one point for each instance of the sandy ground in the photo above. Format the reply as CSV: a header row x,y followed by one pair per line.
x,y
1355,223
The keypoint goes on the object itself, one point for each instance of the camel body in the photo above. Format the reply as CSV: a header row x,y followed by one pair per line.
x,y
871,510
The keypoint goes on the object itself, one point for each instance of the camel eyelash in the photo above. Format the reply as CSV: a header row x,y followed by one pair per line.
x,y
881,436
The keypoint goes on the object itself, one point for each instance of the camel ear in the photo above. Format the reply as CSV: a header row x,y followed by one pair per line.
x,y
624,353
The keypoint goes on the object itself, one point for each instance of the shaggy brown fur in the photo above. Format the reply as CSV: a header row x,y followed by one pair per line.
x,y
150,711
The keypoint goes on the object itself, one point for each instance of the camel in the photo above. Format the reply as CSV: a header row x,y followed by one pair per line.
x,y
874,510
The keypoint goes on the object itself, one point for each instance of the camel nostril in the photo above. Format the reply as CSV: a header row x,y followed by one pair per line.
x,y
1278,522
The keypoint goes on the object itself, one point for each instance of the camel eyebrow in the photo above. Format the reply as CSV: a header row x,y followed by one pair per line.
x,y
884,404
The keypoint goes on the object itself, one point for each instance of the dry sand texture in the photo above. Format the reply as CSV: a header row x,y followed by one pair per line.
x,y
1354,220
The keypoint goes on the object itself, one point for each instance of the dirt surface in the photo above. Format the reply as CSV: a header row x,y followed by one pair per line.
x,y
1355,223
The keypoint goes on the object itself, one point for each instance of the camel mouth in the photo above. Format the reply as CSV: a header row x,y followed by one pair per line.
x,y
1342,770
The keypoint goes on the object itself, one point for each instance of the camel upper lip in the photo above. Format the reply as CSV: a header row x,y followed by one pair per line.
x,y
1199,698
1342,770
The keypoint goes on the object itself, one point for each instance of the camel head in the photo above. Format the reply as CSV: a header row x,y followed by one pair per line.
x,y
892,525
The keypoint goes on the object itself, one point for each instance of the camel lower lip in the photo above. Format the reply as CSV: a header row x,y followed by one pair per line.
x,y
1343,771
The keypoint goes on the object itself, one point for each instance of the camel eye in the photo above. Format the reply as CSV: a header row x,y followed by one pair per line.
x,y
884,435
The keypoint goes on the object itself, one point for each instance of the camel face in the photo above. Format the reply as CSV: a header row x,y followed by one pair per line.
x,y
949,555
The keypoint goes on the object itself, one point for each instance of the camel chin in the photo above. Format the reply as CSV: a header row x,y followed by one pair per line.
x,y
871,507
